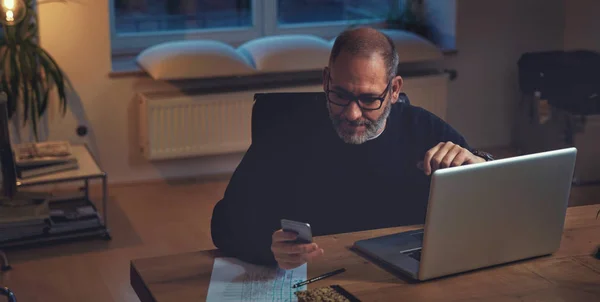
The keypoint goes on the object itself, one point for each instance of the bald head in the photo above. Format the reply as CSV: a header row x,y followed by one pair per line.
x,y
366,42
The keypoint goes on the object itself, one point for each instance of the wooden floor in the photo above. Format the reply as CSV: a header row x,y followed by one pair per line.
x,y
146,220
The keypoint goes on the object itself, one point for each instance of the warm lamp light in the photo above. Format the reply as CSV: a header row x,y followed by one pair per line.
x,y
12,11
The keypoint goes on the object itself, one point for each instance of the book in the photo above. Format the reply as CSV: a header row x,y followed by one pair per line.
x,y
25,215
26,208
43,153
38,170
73,215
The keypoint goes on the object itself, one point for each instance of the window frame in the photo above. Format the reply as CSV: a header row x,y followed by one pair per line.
x,y
266,10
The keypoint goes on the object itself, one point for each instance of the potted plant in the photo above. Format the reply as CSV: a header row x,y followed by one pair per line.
x,y
411,18
28,72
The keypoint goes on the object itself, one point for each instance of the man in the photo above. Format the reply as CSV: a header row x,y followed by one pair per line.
x,y
367,166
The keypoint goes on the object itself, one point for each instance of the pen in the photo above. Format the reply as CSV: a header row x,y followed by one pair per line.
x,y
319,277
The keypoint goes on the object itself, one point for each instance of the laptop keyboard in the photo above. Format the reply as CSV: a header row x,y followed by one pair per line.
x,y
415,255
419,235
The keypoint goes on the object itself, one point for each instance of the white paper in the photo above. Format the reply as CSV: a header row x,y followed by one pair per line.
x,y
235,280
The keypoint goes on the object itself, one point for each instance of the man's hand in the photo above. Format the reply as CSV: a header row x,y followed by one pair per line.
x,y
291,255
446,155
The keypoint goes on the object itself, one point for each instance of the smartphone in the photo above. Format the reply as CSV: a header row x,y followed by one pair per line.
x,y
302,229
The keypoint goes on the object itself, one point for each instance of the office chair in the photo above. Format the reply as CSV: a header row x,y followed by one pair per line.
x,y
288,110
5,266
285,110
5,291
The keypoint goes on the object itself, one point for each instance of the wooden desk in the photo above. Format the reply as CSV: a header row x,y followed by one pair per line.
x,y
571,274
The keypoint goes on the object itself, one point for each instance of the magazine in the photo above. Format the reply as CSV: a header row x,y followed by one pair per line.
x,y
44,153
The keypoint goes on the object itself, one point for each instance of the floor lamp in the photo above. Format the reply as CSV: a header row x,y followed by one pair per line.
x,y
8,174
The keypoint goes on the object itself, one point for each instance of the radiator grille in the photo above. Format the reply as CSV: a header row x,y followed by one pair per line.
x,y
193,126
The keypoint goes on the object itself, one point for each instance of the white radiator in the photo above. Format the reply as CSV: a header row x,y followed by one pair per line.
x,y
184,126
209,124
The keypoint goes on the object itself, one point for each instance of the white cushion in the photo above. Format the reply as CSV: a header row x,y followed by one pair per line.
x,y
287,53
412,47
193,59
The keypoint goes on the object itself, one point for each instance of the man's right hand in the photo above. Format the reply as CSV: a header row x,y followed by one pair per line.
x,y
291,255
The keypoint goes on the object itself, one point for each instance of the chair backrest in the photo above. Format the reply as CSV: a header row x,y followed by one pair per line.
x,y
4,291
282,115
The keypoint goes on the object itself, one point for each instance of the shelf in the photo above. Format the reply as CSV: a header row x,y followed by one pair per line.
x,y
48,236
88,168
101,231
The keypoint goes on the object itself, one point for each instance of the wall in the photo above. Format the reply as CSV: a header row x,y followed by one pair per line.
x,y
490,37
582,24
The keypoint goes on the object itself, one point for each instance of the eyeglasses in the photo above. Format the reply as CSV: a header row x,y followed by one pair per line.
x,y
345,98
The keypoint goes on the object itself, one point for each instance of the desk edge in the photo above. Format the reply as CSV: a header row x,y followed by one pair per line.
x,y
138,285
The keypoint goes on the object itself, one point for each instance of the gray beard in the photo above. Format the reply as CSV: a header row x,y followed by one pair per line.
x,y
372,128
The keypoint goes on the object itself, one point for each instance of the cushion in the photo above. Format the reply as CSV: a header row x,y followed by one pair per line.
x,y
287,53
412,47
193,59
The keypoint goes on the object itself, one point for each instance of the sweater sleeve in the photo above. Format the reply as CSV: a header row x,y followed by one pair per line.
x,y
446,133
244,220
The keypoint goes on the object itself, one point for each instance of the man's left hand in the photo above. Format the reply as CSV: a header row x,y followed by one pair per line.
x,y
448,154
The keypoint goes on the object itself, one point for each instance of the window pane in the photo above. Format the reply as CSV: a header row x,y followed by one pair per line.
x,y
135,16
308,11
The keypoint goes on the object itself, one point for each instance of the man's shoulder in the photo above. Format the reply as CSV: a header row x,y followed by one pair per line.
x,y
415,115
423,125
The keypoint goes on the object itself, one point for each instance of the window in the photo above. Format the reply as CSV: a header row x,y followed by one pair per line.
x,y
139,16
138,24
314,11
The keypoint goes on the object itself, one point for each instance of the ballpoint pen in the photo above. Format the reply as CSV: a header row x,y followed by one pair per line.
x,y
339,271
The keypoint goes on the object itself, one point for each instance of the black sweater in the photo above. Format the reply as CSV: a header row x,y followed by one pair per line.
x,y
313,176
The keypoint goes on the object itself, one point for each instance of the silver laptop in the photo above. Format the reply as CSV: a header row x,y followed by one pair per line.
x,y
483,215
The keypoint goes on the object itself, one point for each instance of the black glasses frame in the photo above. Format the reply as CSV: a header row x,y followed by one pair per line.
x,y
380,98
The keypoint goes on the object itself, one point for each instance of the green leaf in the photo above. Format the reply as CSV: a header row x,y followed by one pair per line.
x,y
23,63
37,83
52,67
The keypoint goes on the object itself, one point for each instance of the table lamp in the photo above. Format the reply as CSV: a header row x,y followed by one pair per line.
x,y
12,11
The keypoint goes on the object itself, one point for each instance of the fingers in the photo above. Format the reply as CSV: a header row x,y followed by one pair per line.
x,y
473,159
292,248
289,265
291,255
460,158
314,254
445,155
449,158
434,157
428,156
299,258
439,156
281,236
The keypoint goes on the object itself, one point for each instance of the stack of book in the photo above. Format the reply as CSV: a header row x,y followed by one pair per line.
x,y
72,215
24,216
35,159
